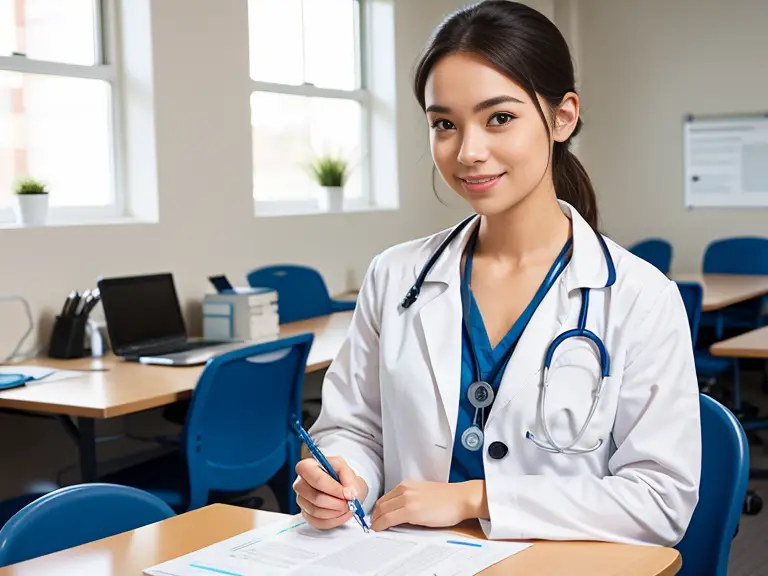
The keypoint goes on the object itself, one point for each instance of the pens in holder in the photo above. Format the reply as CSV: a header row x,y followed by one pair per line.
x,y
354,505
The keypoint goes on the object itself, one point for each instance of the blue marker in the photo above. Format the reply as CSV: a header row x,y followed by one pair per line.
x,y
354,505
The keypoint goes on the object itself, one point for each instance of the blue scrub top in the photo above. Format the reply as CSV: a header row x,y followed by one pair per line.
x,y
466,464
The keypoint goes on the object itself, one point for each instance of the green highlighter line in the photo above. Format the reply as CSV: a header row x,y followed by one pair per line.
x,y
290,527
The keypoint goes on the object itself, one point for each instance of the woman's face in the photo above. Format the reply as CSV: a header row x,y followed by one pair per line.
x,y
488,140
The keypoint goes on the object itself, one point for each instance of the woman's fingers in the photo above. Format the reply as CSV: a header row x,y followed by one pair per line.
x,y
319,512
318,498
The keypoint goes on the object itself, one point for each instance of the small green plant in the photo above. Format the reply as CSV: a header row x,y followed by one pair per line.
x,y
329,170
29,186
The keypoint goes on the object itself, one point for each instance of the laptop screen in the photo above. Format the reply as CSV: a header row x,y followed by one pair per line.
x,y
140,310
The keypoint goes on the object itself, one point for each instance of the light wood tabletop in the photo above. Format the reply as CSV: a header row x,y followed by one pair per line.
x,y
111,387
721,290
129,553
752,344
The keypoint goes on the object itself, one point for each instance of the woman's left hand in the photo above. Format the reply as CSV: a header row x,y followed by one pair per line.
x,y
434,504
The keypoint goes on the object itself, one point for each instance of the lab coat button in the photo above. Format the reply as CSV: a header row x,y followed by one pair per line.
x,y
497,450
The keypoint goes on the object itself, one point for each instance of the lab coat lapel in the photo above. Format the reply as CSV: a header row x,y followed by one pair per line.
x,y
441,322
440,318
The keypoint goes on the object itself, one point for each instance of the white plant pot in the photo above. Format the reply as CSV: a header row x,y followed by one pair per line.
x,y
31,209
332,198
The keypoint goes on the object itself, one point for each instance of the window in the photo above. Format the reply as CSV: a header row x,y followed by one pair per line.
x,y
308,98
58,105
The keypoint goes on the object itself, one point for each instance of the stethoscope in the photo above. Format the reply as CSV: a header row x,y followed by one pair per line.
x,y
481,394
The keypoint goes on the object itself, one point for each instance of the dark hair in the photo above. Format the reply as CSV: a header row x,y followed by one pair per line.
x,y
528,48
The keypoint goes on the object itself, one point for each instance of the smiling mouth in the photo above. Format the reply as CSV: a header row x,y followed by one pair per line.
x,y
482,180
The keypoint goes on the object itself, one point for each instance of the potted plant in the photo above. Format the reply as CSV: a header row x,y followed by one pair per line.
x,y
331,172
31,202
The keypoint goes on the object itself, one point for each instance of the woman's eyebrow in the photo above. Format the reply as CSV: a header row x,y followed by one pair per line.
x,y
490,103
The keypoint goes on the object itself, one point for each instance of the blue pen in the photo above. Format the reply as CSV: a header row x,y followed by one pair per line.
x,y
354,505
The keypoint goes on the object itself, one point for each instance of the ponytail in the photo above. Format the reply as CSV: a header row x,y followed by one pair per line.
x,y
572,183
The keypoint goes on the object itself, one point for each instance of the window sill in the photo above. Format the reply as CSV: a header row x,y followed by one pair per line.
x,y
55,223
281,209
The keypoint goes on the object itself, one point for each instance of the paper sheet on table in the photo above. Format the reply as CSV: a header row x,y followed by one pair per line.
x,y
41,374
298,549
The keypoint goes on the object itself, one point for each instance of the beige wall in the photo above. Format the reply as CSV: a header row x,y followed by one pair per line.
x,y
206,214
204,179
644,66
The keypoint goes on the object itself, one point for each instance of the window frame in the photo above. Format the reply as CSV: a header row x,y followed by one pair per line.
x,y
105,68
362,95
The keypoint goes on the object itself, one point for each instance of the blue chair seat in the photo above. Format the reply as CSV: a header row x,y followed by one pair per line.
x,y
708,366
76,515
706,546
237,435
301,292
656,251
11,506
165,476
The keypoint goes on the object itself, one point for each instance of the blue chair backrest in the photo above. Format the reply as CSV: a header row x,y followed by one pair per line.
x,y
237,435
301,291
706,546
740,255
76,515
693,295
656,251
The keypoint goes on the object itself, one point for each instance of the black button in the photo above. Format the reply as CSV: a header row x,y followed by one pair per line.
x,y
497,450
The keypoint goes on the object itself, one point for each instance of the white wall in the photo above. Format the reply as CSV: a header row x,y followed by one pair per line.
x,y
644,66
200,52
206,223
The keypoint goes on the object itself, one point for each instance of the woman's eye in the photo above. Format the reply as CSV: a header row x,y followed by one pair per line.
x,y
500,118
441,125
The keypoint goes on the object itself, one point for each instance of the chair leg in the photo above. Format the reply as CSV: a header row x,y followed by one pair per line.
x,y
281,485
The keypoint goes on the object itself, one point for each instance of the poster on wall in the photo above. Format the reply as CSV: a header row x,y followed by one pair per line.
x,y
726,161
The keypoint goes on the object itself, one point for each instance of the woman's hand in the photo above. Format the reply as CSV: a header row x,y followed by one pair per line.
x,y
435,504
322,500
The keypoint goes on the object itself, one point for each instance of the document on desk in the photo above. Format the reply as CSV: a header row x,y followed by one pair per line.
x,y
39,373
299,549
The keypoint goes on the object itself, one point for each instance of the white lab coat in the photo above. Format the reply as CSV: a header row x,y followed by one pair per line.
x,y
391,397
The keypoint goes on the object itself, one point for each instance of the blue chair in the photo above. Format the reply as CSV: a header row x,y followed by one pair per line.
x,y
237,435
76,515
708,367
301,292
740,255
656,251
706,546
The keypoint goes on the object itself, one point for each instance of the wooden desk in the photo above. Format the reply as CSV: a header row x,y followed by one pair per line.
x,y
131,552
721,290
112,387
752,344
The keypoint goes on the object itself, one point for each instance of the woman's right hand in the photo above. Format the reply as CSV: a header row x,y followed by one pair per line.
x,y
322,500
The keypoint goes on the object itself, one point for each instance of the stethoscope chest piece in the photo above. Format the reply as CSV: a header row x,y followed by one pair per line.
x,y
480,394
472,438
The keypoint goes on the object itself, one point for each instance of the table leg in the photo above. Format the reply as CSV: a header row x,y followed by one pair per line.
x,y
87,443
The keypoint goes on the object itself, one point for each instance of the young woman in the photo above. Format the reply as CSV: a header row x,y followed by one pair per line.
x,y
518,368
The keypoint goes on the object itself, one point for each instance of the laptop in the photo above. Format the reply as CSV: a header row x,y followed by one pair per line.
x,y
145,324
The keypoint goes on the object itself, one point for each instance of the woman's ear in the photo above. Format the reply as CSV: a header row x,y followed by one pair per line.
x,y
566,117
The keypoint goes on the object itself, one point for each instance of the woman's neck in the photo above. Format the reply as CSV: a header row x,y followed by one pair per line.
x,y
530,231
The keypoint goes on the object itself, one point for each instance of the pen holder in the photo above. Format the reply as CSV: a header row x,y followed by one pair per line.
x,y
68,337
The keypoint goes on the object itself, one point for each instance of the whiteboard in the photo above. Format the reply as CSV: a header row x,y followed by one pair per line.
x,y
726,161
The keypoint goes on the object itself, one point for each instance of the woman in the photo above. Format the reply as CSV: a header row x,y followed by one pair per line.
x,y
447,404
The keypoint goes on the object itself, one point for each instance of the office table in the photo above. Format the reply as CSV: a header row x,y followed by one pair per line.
x,y
111,387
131,552
721,290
